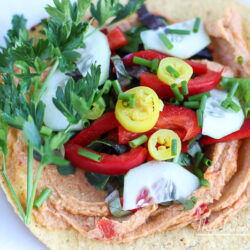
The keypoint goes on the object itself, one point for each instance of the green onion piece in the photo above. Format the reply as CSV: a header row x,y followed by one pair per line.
x,y
174,101
199,117
138,141
142,61
196,25
179,32
226,103
203,103
154,65
174,147
233,89
166,41
90,155
192,105
117,87
198,97
128,100
234,106
198,158
204,183
46,131
172,71
42,198
198,172
184,87
177,92
240,59
207,162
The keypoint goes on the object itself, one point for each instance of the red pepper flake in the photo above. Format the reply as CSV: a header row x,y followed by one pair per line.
x,y
107,228
202,209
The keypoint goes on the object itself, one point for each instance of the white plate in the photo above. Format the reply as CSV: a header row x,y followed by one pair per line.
x,y
14,235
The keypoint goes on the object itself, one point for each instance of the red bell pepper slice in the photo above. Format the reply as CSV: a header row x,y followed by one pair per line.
x,y
109,164
198,68
179,119
116,39
244,132
199,84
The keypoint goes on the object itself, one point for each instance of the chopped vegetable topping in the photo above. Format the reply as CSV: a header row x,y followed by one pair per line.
x,y
144,115
174,70
166,41
196,25
90,155
188,204
138,141
164,144
179,32
42,198
240,59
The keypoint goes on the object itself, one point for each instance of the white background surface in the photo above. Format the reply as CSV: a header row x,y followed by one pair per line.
x,y
13,233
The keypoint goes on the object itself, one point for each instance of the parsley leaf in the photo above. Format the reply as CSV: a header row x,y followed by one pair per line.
x,y
134,38
76,101
106,9
188,204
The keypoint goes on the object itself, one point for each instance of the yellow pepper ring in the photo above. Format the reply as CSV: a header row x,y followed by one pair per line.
x,y
144,115
183,68
160,143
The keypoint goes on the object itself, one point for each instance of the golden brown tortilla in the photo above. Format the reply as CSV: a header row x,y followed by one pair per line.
x,y
232,235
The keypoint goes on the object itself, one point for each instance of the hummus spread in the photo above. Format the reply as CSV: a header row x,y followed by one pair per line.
x,y
76,204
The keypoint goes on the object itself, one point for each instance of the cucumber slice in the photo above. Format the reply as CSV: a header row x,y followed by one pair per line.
x,y
218,121
185,46
157,182
53,118
96,50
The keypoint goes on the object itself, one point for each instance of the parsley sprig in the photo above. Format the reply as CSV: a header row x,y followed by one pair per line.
x,y
106,9
24,61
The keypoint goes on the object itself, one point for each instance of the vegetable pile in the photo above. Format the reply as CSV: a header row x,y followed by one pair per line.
x,y
117,103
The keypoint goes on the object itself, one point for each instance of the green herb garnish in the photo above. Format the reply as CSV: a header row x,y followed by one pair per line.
x,y
188,204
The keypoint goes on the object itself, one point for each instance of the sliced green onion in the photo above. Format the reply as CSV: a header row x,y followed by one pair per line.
x,y
172,71
234,106
203,103
184,87
196,25
233,89
128,100
42,198
240,59
204,183
46,131
179,32
166,41
198,172
117,87
174,147
90,155
174,101
198,97
177,92
207,162
154,65
142,61
198,158
226,103
192,105
199,117
138,141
